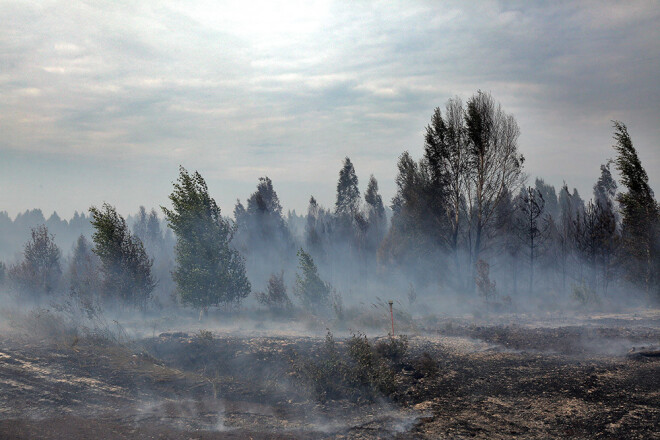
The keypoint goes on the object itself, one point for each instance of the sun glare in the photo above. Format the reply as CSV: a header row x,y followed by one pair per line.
x,y
261,20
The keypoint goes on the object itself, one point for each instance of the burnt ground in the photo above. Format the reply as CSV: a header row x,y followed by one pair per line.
x,y
457,380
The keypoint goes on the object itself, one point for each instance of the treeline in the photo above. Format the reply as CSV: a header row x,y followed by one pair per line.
x,y
465,220
13,233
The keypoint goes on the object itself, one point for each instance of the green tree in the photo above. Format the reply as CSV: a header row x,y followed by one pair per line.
x,y
125,265
209,271
375,217
40,271
640,215
414,233
446,157
314,293
275,296
348,194
607,234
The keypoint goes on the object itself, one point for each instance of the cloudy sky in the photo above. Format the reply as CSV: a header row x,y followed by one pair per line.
x,y
102,100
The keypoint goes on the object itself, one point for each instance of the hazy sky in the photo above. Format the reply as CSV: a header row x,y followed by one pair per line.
x,y
102,100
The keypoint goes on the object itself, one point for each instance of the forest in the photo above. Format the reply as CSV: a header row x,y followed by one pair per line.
x,y
466,224
497,305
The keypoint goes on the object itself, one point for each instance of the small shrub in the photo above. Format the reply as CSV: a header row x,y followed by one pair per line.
x,y
412,294
393,349
358,373
585,295
369,372
485,286
204,336
326,375
425,366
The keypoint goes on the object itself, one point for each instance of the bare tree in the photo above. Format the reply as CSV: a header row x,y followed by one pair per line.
x,y
532,225
495,165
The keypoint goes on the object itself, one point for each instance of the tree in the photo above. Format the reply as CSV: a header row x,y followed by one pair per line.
x,y
495,165
570,207
605,187
507,241
412,235
348,194
446,153
125,265
549,196
3,273
606,224
209,271
40,270
84,283
640,215
595,240
532,225
261,229
147,228
375,215
140,225
275,296
313,292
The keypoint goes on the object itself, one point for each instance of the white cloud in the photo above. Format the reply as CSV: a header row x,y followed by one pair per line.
x,y
288,89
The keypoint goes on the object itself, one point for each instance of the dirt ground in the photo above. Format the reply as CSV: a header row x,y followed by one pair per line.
x,y
598,378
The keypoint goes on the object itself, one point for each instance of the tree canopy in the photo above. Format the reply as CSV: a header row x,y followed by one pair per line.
x,y
209,271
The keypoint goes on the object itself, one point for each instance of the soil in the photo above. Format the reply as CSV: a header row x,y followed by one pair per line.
x,y
459,379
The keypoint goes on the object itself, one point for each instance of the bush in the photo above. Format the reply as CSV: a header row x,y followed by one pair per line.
x,y
358,373
585,295
485,286
394,349
370,372
204,336
327,375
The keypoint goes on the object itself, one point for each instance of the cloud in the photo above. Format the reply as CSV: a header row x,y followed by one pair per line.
x,y
238,89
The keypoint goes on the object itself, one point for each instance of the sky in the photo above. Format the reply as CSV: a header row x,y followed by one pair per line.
x,y
101,101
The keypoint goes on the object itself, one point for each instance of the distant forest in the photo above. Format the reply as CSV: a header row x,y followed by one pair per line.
x,y
465,220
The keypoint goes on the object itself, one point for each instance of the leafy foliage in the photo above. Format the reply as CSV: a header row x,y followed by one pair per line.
x,y
313,292
125,265
359,371
209,271
348,194
640,215
275,296
40,270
